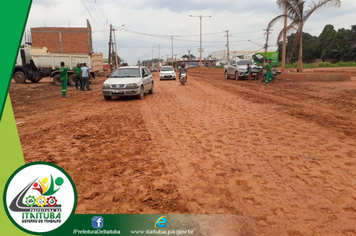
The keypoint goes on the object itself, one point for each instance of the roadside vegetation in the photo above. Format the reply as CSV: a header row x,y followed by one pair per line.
x,y
320,65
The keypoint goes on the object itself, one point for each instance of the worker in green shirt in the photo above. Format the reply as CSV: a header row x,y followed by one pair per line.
x,y
64,78
269,75
78,80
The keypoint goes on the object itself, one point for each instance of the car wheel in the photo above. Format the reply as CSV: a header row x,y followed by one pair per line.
x,y
151,91
236,76
107,98
20,77
226,75
142,93
57,80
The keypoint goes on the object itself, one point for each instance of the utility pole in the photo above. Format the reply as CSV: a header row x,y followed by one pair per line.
x,y
152,58
116,61
172,46
172,50
268,32
227,45
201,37
159,61
284,48
110,44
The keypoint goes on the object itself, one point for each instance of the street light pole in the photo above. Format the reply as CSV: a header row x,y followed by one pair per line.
x,y
172,51
159,61
268,32
201,36
152,58
110,45
116,59
172,46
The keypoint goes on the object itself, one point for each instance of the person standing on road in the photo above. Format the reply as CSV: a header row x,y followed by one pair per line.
x,y
64,78
77,71
248,71
269,75
85,77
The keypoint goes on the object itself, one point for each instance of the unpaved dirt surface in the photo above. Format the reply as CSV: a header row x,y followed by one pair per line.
x,y
280,158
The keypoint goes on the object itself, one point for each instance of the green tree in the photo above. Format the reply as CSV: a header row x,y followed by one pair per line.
x,y
298,14
345,44
326,42
113,59
188,56
310,51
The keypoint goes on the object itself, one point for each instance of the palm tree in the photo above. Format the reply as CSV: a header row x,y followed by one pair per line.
x,y
298,13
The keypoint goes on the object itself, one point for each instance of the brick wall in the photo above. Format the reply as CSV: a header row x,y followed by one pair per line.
x,y
62,39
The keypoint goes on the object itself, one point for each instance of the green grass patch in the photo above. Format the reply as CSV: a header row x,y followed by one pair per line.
x,y
322,65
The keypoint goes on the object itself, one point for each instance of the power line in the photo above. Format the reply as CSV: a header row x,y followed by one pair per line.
x,y
86,7
102,10
98,14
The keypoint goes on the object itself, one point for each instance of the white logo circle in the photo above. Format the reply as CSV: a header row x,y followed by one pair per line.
x,y
39,197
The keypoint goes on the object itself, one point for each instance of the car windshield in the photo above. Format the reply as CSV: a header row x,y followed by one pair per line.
x,y
126,72
167,68
244,63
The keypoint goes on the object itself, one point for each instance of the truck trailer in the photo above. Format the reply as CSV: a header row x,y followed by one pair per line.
x,y
35,63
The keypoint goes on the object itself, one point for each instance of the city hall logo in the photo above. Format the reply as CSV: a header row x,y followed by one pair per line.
x,y
39,197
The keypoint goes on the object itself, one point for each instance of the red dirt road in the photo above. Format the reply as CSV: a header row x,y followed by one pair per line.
x,y
281,158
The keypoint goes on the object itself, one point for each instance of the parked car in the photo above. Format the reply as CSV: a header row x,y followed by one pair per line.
x,y
238,69
167,72
128,81
153,69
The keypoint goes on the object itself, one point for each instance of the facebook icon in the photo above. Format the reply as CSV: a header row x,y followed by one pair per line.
x,y
97,222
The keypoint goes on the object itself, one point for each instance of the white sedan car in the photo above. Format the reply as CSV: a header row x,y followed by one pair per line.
x,y
128,81
167,72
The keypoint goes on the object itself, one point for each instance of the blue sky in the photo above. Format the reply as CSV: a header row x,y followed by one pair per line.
x,y
245,21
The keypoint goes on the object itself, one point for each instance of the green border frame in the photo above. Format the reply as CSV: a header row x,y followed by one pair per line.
x,y
31,164
17,13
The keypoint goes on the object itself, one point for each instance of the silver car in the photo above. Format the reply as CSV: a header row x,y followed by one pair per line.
x,y
128,81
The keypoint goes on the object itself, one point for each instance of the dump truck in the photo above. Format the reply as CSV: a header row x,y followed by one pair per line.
x,y
35,63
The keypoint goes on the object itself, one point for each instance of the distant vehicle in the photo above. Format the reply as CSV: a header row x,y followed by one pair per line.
x,y
128,81
153,69
238,69
167,72
34,63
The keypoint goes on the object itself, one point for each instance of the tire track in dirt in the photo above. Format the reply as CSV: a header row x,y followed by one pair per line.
x,y
221,119
341,121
